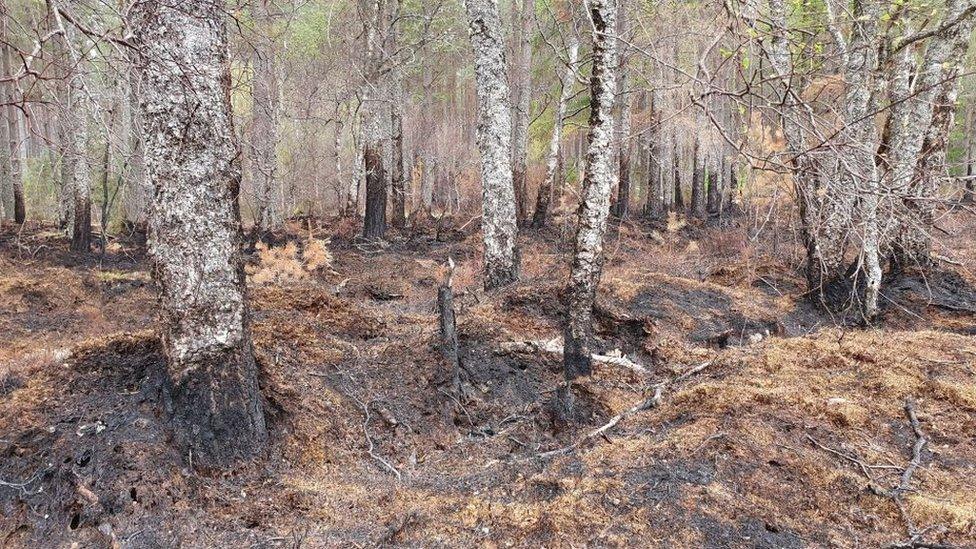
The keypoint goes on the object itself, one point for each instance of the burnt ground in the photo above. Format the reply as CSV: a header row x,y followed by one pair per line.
x,y
787,438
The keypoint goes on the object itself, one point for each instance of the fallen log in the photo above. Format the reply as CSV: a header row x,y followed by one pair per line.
x,y
555,346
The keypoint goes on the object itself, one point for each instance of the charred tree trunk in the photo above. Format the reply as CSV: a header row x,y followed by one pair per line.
x,y
499,219
552,160
375,219
448,324
595,198
713,193
79,170
195,237
376,121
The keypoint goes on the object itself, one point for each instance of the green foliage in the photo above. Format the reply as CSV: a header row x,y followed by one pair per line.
x,y
40,179
312,28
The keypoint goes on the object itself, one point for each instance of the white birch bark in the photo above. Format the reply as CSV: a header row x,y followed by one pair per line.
x,y
195,230
499,223
825,207
599,181
910,124
861,137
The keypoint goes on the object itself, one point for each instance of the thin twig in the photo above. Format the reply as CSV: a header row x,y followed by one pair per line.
x,y
646,404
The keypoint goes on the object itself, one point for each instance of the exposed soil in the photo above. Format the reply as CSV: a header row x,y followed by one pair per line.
x,y
775,443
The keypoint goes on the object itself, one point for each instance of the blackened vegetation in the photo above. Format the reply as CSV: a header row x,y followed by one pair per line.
x,y
95,453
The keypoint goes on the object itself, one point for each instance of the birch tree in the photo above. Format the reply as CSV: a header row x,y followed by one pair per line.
x,y
521,73
599,181
376,119
77,117
499,222
861,136
622,119
265,115
195,231
922,130
13,134
825,207
543,201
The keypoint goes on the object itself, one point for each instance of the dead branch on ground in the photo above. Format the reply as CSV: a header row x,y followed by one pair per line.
x,y
646,404
555,346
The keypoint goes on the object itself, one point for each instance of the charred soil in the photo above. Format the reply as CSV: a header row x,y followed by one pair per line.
x,y
791,432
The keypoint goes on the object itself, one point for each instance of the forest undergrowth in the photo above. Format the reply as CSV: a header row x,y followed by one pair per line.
x,y
730,411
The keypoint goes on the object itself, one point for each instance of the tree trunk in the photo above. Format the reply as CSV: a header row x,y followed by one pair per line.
x,y
399,176
623,161
64,167
655,165
552,160
195,237
499,218
862,137
595,198
622,114
820,204
923,119
375,220
376,120
6,181
138,189
79,169
698,183
713,192
521,74
358,169
969,188
678,198
264,125
13,125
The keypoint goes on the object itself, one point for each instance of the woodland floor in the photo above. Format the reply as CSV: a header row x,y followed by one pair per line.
x,y
777,442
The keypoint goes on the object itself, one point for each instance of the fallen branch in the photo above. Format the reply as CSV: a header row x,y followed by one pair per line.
x,y
386,464
914,535
23,486
948,260
555,346
646,404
